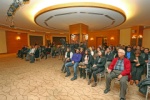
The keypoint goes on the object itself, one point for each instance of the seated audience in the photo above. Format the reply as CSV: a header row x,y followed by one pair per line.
x,y
86,63
137,68
119,68
109,57
129,54
92,52
35,54
96,52
30,53
76,58
68,56
145,56
98,66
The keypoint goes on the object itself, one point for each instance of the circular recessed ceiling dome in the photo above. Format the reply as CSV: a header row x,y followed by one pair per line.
x,y
96,16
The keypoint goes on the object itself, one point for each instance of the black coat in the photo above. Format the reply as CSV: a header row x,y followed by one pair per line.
x,y
137,71
143,85
101,63
109,57
36,54
90,61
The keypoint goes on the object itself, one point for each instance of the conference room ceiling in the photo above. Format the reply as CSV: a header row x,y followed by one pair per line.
x,y
48,16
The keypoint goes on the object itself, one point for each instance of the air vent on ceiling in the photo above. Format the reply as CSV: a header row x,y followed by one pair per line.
x,y
66,13
109,17
49,18
91,13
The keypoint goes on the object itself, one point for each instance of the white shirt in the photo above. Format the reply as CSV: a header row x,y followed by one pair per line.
x,y
32,51
92,53
71,54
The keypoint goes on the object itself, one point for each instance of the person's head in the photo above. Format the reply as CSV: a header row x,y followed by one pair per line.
x,y
146,50
138,47
81,49
142,48
90,48
108,50
134,47
99,53
68,49
98,49
121,53
87,51
129,49
77,50
137,53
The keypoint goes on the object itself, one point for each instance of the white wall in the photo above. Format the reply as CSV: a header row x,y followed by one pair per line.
x,y
146,38
125,36
3,45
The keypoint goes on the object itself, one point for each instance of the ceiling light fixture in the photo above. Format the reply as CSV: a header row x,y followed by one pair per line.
x,y
12,10
41,4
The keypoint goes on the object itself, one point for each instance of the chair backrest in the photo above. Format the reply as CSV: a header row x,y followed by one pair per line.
x,y
148,70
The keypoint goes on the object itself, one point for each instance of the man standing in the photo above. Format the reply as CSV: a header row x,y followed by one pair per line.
x,y
119,68
76,58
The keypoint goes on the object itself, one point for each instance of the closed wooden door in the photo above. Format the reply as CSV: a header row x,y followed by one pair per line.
x,y
98,41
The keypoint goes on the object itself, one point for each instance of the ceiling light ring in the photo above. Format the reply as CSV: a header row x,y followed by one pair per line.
x,y
82,4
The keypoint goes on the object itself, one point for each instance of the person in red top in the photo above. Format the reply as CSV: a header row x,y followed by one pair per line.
x,y
119,68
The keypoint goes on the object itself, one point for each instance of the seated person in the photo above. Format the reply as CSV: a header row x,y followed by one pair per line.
x,y
99,66
30,53
76,58
109,57
119,68
68,56
145,56
35,54
87,60
129,54
137,68
24,51
53,50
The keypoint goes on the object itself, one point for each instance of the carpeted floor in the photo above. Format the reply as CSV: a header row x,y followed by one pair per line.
x,y
43,80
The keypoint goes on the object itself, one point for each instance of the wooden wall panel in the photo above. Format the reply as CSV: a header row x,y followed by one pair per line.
x,y
106,34
13,45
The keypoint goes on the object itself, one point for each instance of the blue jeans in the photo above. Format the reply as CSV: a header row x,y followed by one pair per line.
x,y
75,65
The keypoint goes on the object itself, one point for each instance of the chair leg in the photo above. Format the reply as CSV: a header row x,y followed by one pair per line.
x,y
86,75
147,93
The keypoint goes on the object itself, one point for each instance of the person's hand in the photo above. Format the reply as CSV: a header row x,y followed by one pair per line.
x,y
108,70
137,64
119,77
135,60
73,62
94,65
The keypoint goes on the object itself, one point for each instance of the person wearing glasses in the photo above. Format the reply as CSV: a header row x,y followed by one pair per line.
x,y
119,68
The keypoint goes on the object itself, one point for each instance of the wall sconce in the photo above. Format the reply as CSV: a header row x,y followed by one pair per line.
x,y
112,38
86,37
140,36
18,38
133,37
91,38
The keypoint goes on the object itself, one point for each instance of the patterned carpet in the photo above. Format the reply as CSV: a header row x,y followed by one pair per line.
x,y
43,80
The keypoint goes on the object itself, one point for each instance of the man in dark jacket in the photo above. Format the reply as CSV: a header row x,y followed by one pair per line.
x,y
129,54
109,57
76,58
